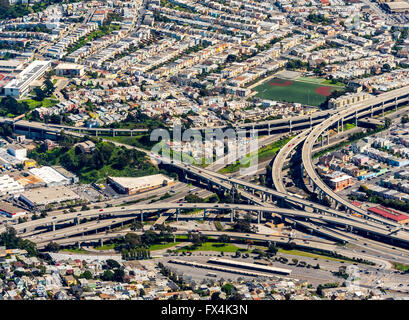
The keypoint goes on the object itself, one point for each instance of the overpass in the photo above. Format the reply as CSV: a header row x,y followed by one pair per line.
x,y
115,216
393,98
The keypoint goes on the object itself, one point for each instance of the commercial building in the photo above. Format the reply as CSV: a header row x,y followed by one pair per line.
x,y
11,211
9,186
50,176
24,81
44,196
141,184
390,214
340,181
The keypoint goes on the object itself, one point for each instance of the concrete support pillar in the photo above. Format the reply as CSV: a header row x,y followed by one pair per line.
x,y
290,125
371,111
113,133
322,140
258,217
131,132
53,226
356,118
78,245
204,214
310,122
141,213
338,126
342,124
101,242
177,214
232,215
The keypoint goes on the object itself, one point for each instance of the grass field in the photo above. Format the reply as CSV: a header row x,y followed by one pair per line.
x,y
46,103
163,246
307,91
76,250
105,247
211,246
310,255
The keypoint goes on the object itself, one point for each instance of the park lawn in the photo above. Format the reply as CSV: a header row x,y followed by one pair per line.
x,y
349,126
263,154
76,250
211,246
310,255
105,247
46,103
154,247
303,92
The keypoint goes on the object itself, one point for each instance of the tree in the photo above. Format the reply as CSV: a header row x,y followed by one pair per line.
x,y
119,275
227,288
112,264
86,274
52,247
108,275
215,296
272,249
133,240
388,122
224,238
39,94
149,237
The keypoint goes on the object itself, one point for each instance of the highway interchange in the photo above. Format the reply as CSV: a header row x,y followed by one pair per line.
x,y
263,202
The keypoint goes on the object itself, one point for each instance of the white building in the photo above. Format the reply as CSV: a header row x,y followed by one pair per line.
x,y
17,151
50,176
9,186
23,82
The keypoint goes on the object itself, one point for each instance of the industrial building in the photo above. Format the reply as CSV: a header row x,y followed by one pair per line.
x,y
44,196
141,184
24,82
11,211
390,214
50,176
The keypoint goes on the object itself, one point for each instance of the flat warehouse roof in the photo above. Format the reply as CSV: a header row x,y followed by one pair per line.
x,y
6,207
249,265
49,195
140,182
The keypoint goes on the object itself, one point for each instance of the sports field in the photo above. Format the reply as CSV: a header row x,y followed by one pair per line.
x,y
308,91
